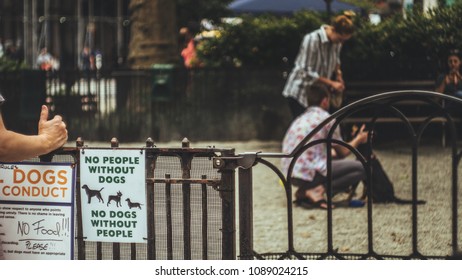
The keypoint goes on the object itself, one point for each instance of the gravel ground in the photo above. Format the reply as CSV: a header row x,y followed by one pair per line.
x,y
392,227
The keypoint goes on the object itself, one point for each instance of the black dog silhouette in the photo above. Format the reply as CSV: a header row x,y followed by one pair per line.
x,y
133,204
116,198
91,193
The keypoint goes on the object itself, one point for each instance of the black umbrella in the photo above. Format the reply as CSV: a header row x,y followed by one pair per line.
x,y
288,6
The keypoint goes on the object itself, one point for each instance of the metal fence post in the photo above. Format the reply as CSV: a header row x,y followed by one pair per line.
x,y
227,195
80,238
115,246
150,163
245,214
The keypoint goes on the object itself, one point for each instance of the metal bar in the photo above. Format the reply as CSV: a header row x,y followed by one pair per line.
x,y
288,191
455,188
46,12
455,199
80,238
186,188
370,228
80,33
99,250
34,34
186,160
213,182
28,30
150,166
204,220
245,214
133,251
116,245
329,193
414,198
228,216
119,33
168,198
116,251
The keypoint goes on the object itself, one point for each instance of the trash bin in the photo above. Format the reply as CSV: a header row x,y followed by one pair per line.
x,y
162,82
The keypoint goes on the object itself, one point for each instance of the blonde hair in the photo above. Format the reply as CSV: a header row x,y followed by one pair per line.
x,y
343,25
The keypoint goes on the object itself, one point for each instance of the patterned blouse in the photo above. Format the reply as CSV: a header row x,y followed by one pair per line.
x,y
315,158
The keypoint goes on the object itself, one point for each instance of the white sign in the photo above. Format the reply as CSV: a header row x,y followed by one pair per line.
x,y
37,210
113,192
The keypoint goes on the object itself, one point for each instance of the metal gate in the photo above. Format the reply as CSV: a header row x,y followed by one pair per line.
x,y
192,193
190,207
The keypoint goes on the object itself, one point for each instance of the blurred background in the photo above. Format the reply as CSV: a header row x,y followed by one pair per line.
x,y
115,68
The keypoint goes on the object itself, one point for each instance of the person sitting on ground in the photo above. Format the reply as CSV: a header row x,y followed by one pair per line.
x,y
310,170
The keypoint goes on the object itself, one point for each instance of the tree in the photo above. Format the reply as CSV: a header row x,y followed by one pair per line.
x,y
153,33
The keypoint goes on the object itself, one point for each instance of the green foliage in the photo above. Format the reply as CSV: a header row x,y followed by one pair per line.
x,y
364,4
259,41
414,46
7,64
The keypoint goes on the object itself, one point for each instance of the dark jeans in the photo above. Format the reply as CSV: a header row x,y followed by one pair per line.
x,y
345,173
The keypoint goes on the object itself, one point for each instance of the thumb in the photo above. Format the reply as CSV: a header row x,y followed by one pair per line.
x,y
44,114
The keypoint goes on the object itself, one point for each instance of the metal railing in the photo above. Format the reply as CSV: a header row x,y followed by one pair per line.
x,y
233,104
386,103
190,209
169,103
209,175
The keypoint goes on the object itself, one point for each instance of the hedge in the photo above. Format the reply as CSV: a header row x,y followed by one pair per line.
x,y
413,46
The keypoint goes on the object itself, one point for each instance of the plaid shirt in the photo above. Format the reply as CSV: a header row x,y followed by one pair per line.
x,y
315,158
317,57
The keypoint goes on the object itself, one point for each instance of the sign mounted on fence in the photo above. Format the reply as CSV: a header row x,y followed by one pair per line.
x,y
112,187
37,210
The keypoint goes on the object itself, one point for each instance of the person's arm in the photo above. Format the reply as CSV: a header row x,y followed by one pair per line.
x,y
441,84
339,74
360,138
52,134
336,86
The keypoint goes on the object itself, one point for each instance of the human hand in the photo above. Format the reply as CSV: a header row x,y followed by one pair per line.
x,y
362,135
452,78
456,77
53,132
337,86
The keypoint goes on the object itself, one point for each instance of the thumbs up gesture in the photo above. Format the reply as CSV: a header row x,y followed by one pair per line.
x,y
53,132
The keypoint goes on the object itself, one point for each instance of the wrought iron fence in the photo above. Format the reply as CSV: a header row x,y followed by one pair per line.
x,y
382,104
190,209
168,103
164,102
192,195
